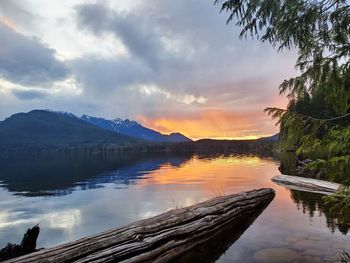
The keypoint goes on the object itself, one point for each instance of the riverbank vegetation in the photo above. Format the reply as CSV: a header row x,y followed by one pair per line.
x,y
316,123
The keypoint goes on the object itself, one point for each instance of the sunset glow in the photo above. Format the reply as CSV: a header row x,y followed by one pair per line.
x,y
174,131
199,172
215,124
162,63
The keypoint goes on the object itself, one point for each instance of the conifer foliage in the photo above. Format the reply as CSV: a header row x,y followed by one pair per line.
x,y
316,122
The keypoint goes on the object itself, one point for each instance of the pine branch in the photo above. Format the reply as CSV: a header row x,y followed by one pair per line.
x,y
278,113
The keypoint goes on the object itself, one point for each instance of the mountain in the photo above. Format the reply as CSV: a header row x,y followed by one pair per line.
x,y
134,129
273,138
47,129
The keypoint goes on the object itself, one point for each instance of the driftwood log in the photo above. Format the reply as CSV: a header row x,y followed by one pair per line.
x,y
306,184
27,245
211,249
169,237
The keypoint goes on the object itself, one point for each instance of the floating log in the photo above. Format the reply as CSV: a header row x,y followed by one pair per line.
x,y
27,245
306,184
164,238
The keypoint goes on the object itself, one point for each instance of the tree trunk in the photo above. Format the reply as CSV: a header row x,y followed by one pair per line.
x,y
27,245
306,184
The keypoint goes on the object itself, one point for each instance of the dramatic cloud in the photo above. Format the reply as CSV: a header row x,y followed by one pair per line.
x,y
173,65
108,74
141,40
26,61
180,48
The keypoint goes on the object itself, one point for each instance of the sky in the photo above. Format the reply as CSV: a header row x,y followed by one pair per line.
x,y
174,66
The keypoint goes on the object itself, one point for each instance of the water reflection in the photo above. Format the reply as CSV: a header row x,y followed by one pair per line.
x,y
60,174
313,205
75,196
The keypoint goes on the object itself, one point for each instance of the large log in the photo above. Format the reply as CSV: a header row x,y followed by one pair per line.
x,y
306,184
168,237
215,246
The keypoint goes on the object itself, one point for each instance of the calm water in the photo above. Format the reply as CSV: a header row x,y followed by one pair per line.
x,y
74,196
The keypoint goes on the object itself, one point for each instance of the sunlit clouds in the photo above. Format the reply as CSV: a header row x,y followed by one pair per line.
x,y
8,22
150,90
216,124
174,66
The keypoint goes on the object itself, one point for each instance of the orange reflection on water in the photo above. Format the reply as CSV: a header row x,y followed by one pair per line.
x,y
215,176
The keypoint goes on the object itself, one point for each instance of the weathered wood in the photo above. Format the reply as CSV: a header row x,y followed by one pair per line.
x,y
27,245
216,245
163,238
306,184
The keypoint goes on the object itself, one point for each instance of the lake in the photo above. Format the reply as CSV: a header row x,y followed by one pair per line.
x,y
73,196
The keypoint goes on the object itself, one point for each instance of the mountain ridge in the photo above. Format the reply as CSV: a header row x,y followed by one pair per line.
x,y
134,129
47,129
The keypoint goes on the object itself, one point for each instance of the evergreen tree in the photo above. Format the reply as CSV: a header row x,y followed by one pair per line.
x,y
316,121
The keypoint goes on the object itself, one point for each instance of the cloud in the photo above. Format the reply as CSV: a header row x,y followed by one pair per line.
x,y
26,61
218,124
179,48
147,60
160,59
30,94
142,42
11,10
149,90
102,74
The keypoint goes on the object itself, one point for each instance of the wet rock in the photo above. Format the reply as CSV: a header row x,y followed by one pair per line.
x,y
276,255
282,168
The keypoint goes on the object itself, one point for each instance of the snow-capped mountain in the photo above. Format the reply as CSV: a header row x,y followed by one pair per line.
x,y
134,129
42,129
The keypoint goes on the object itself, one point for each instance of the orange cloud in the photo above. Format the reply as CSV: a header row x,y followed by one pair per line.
x,y
8,21
216,124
